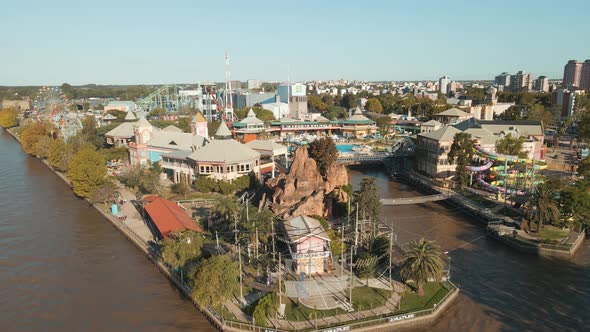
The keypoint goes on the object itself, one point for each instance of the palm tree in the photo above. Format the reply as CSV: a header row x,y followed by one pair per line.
x,y
422,262
544,209
227,207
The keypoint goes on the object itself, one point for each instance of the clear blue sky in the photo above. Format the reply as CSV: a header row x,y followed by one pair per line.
x,y
125,42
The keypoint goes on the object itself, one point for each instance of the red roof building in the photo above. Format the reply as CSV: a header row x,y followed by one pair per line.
x,y
168,217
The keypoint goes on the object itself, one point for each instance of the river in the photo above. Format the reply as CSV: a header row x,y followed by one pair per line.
x,y
63,267
501,289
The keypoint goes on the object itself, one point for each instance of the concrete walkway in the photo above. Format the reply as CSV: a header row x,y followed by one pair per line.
x,y
134,219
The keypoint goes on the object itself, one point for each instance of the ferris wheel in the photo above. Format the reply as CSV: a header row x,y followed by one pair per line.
x,y
48,97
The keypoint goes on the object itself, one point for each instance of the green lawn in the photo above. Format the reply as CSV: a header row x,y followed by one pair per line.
x,y
364,298
478,199
552,233
433,293
298,312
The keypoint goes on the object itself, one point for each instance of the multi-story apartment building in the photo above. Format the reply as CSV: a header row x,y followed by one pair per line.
x,y
521,81
572,73
503,81
542,84
432,149
443,83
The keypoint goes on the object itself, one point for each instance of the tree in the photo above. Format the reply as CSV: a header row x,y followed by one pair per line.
x,y
266,307
539,113
544,208
366,202
337,246
150,181
87,171
59,155
181,248
158,111
584,168
42,147
8,118
316,104
348,101
513,113
511,145
215,280
575,205
132,177
180,188
374,105
31,135
227,207
422,262
107,192
324,152
336,112
383,123
380,248
461,153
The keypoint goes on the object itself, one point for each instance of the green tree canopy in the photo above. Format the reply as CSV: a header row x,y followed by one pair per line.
x,y
366,202
374,105
8,118
215,280
324,152
87,171
31,135
182,248
461,153
543,207
266,307
511,145
422,262
107,192
59,155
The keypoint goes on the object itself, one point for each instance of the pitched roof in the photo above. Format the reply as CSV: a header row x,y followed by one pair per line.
x,y
176,140
303,226
226,151
443,134
199,118
251,119
528,127
322,119
125,129
168,216
432,123
267,147
109,116
454,112
223,130
130,116
142,122
172,128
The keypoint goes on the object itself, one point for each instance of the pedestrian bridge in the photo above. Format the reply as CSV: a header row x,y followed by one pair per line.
x,y
414,200
358,158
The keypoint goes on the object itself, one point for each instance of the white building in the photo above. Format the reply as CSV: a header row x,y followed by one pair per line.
x,y
443,84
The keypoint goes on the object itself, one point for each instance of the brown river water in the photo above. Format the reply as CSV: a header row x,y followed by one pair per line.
x,y
63,267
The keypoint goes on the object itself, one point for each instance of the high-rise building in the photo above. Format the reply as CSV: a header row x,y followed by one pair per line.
x,y
443,83
521,82
572,73
585,76
503,80
542,84
295,96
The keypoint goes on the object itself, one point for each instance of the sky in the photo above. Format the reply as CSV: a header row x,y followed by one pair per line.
x,y
49,42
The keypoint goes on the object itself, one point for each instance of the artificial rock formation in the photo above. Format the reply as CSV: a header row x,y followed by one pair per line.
x,y
304,190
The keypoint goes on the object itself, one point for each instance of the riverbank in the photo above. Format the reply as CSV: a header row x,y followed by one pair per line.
x,y
141,241
494,223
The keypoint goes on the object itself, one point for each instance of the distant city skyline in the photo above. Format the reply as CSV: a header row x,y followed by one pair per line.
x,y
155,42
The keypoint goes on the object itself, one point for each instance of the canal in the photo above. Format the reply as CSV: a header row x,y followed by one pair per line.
x,y
63,267
501,289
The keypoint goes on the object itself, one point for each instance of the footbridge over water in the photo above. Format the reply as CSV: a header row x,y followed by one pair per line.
x,y
415,200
